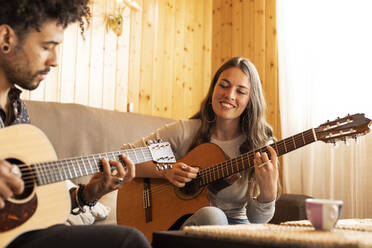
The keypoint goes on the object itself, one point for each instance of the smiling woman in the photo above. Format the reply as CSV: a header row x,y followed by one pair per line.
x,y
324,60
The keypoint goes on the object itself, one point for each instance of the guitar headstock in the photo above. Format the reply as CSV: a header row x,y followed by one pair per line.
x,y
161,153
350,126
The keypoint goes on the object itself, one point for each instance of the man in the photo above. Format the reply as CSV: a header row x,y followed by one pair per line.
x,y
30,32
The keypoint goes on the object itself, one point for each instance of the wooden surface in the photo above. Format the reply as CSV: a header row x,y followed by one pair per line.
x,y
163,62
247,28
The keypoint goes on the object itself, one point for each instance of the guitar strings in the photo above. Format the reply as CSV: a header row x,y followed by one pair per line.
x,y
211,171
45,169
30,175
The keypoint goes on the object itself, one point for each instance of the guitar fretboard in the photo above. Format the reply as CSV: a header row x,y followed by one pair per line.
x,y
56,171
245,161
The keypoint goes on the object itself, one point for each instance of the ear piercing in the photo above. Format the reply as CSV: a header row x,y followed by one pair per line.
x,y
5,48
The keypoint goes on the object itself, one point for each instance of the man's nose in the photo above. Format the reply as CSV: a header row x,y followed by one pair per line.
x,y
52,60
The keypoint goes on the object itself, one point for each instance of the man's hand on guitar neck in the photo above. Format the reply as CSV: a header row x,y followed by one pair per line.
x,y
107,181
10,182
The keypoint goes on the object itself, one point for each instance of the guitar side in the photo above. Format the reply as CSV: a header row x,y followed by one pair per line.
x,y
164,202
28,144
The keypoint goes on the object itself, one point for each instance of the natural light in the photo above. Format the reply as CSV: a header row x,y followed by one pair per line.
x,y
325,60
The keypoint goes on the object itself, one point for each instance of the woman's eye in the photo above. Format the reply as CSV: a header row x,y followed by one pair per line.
x,y
223,86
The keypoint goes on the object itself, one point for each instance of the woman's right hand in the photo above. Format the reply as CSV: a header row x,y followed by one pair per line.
x,y
180,174
10,182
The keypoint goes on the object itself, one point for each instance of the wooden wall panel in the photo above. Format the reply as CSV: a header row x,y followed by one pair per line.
x,y
250,27
178,96
175,57
163,62
92,70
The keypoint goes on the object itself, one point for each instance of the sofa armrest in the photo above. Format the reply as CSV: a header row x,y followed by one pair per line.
x,y
289,207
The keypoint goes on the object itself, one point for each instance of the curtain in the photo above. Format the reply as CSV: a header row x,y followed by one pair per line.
x,y
324,60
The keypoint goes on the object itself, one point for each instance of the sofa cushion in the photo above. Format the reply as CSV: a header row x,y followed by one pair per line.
x,y
78,130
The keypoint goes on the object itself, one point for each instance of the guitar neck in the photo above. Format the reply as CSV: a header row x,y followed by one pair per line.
x,y
56,171
245,161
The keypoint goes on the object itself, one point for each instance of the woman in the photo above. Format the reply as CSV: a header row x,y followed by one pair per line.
x,y
232,116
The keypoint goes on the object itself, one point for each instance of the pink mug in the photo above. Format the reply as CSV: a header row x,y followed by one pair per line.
x,y
322,213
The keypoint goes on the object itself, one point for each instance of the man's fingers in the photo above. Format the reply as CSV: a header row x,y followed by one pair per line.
x,y
119,168
17,185
131,171
5,191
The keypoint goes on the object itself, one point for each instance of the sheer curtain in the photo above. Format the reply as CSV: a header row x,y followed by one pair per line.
x,y
325,72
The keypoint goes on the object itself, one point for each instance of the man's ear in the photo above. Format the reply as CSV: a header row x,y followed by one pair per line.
x,y
8,38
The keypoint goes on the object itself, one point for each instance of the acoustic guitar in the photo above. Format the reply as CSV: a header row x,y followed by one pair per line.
x,y
156,204
45,200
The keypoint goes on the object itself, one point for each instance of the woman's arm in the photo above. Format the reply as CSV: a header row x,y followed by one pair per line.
x,y
180,135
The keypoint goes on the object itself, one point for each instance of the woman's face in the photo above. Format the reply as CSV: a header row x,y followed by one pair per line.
x,y
231,94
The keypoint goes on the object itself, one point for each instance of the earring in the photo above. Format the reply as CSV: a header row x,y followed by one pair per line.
x,y
5,48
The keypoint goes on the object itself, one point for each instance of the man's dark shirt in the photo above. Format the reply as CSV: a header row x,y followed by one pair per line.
x,y
17,112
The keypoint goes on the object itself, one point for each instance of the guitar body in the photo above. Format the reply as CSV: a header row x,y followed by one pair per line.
x,y
164,202
43,206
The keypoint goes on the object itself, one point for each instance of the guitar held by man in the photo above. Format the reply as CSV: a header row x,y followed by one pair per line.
x,y
45,200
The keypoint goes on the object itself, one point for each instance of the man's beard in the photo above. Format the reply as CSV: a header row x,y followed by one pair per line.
x,y
17,70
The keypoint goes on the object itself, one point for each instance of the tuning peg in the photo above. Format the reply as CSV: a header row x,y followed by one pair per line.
x,y
347,143
356,140
159,140
335,145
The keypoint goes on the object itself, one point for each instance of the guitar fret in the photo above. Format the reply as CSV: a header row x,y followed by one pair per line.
x,y
135,155
285,147
39,175
57,174
84,166
81,173
294,142
95,164
64,171
303,138
47,176
276,145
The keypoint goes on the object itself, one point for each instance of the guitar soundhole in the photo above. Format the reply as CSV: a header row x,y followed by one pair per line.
x,y
27,177
190,191
20,207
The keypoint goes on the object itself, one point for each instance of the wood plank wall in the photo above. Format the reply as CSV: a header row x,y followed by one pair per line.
x,y
247,28
163,62
171,51
92,71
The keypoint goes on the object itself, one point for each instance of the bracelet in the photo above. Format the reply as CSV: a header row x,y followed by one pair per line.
x,y
79,209
82,199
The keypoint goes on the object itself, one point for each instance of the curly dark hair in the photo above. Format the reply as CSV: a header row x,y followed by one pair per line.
x,y
24,15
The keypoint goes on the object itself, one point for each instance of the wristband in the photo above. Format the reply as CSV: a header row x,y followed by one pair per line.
x,y
80,196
